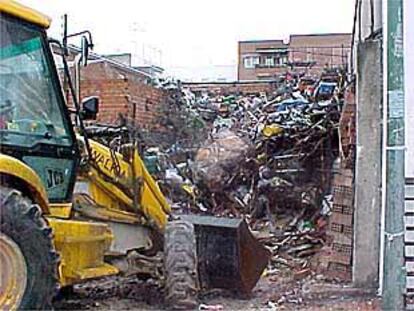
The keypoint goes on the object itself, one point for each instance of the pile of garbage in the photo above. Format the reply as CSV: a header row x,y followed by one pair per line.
x,y
268,158
268,161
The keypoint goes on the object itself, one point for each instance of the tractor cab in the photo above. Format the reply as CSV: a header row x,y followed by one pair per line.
x,y
35,126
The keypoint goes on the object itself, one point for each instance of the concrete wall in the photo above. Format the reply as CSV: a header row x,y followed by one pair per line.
x,y
363,22
368,165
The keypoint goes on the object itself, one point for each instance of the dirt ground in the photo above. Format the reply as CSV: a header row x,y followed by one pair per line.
x,y
118,293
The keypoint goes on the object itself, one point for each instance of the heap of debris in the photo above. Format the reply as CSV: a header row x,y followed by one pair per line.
x,y
269,158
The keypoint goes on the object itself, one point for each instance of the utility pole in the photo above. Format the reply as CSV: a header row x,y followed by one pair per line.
x,y
394,275
65,53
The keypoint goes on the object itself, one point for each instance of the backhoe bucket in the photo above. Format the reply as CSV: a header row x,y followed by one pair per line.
x,y
228,255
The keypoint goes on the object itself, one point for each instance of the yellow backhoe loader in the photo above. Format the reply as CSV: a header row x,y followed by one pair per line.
x,y
72,209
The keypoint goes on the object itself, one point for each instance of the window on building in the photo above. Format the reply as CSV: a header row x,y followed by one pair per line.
x,y
251,61
269,61
280,61
248,62
309,54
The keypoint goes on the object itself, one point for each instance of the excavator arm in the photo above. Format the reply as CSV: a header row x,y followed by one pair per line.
x,y
122,185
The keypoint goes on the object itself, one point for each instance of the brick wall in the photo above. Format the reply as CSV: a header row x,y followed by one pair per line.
x,y
325,50
119,97
119,91
336,257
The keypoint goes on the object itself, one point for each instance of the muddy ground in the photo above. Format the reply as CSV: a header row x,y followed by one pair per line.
x,y
129,293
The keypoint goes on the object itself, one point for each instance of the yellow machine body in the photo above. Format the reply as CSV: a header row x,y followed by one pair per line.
x,y
83,238
112,173
12,168
83,245
80,244
25,13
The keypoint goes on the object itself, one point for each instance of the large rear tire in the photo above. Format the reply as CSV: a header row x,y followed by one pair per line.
x,y
25,244
181,277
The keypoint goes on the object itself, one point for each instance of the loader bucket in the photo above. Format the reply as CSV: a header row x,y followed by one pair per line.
x,y
228,255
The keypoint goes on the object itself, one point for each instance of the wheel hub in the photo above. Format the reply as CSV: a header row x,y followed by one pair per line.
x,y
13,274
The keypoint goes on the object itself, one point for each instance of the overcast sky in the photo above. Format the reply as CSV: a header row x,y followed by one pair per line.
x,y
189,33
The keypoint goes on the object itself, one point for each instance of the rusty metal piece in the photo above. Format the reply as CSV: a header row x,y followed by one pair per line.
x,y
229,256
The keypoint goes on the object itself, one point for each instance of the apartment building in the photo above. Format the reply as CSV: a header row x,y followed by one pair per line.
x,y
311,53
262,59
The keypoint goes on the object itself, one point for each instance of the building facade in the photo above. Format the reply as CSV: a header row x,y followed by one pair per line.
x,y
268,59
261,60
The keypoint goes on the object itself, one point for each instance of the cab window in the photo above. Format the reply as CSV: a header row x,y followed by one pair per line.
x,y
30,112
